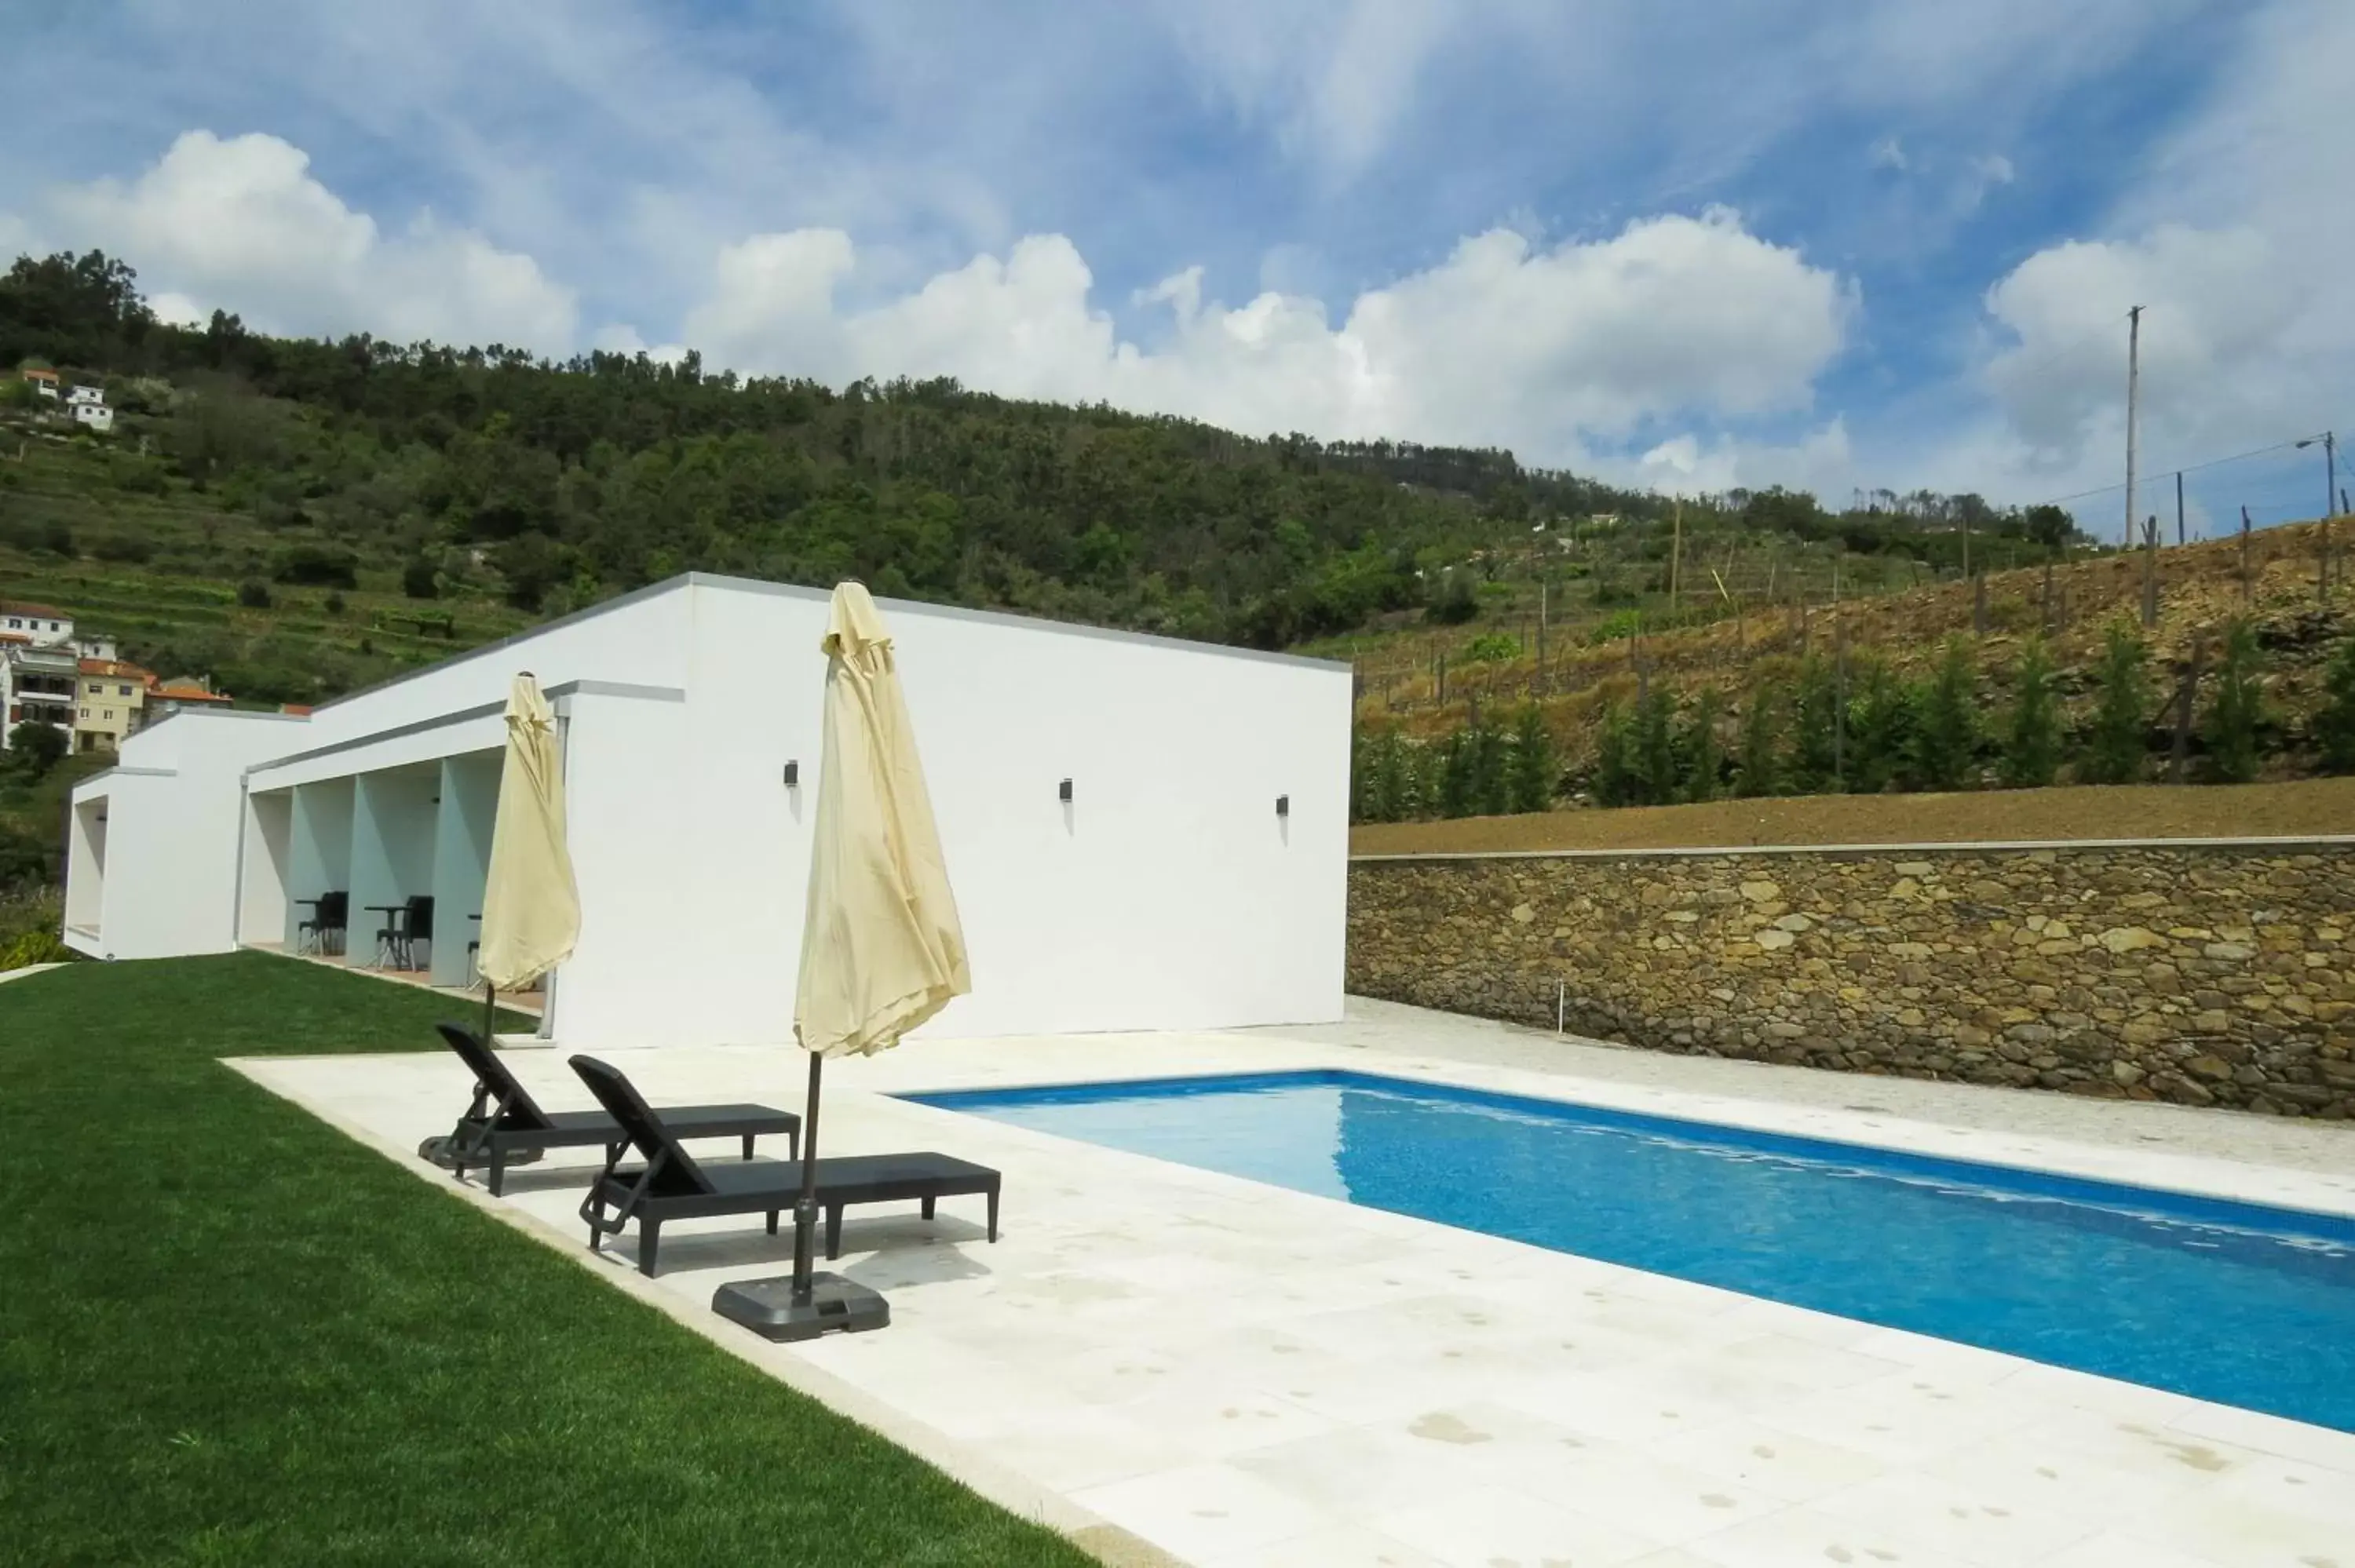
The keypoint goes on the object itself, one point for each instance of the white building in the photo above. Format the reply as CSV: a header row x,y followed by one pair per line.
x,y
40,624
38,668
86,398
1142,833
97,416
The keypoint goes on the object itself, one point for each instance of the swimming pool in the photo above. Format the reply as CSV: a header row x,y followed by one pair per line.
x,y
2233,1302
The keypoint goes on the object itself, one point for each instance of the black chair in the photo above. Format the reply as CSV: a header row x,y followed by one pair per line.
x,y
330,914
418,926
406,924
504,1125
671,1186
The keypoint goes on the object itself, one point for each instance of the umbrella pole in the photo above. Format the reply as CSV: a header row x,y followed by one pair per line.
x,y
490,1010
804,1304
805,1210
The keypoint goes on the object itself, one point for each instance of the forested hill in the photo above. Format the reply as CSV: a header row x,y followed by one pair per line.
x,y
242,466
586,478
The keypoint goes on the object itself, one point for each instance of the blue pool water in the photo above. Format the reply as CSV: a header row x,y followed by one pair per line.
x,y
2233,1302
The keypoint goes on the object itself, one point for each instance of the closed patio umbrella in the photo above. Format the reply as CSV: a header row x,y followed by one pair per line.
x,y
881,946
531,907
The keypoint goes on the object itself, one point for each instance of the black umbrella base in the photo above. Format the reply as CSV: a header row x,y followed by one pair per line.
x,y
769,1308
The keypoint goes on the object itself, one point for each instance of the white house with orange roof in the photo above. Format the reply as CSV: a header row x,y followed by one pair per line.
x,y
109,704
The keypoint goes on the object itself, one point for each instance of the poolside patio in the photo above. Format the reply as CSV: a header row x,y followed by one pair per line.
x,y
1233,1374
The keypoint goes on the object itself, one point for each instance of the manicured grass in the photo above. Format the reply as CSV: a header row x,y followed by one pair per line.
x,y
229,1334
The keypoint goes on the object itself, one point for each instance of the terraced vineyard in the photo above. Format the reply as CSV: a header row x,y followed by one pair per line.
x,y
136,553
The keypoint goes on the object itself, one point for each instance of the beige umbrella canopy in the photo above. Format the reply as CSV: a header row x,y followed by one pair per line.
x,y
531,907
881,948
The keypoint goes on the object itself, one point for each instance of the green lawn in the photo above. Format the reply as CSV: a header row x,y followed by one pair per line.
x,y
229,1334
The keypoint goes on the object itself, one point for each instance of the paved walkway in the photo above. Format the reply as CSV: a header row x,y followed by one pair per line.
x,y
1178,1365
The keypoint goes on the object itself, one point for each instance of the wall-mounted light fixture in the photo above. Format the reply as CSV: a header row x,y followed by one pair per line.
x,y
1063,793
1283,805
793,775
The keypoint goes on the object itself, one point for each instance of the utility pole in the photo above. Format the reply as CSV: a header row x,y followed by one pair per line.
x,y
1675,554
2134,379
2178,508
1541,633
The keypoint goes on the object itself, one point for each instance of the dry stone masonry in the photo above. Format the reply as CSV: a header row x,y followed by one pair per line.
x,y
2199,974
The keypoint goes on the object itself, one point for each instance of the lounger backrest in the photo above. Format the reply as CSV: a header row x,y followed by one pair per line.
x,y
493,1075
674,1170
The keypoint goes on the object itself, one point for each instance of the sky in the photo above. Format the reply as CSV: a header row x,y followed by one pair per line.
x,y
1673,243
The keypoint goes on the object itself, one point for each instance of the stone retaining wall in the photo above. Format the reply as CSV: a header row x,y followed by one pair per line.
x,y
2211,974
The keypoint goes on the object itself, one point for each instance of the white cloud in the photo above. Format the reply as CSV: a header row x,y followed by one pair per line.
x,y
1505,342
242,225
1887,153
2230,238
1821,461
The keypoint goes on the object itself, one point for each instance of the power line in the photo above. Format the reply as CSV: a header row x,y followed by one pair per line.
x,y
2184,468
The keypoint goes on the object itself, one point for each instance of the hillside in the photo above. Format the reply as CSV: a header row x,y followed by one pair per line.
x,y
135,552
1427,684
512,488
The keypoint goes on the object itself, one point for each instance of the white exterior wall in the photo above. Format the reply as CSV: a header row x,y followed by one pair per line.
x,y
173,807
1168,895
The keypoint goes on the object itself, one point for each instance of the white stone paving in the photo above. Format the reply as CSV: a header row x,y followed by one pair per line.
x,y
1242,1375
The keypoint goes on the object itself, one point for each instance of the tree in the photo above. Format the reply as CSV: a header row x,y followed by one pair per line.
x,y
1492,792
418,579
1704,753
2032,750
1948,736
1361,756
2334,724
1814,703
1397,779
1474,780
2113,752
1457,790
73,309
1655,746
2050,527
1614,775
319,566
34,749
2238,709
1762,745
1880,729
1532,770
1454,604
253,594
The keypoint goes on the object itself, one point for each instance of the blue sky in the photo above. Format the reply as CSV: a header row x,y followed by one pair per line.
x,y
1884,243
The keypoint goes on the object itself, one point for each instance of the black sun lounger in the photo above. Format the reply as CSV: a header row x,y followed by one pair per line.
x,y
670,1185
504,1125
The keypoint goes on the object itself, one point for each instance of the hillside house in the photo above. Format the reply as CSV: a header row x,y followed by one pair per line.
x,y
85,397
45,382
96,417
109,704
40,624
38,687
164,698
